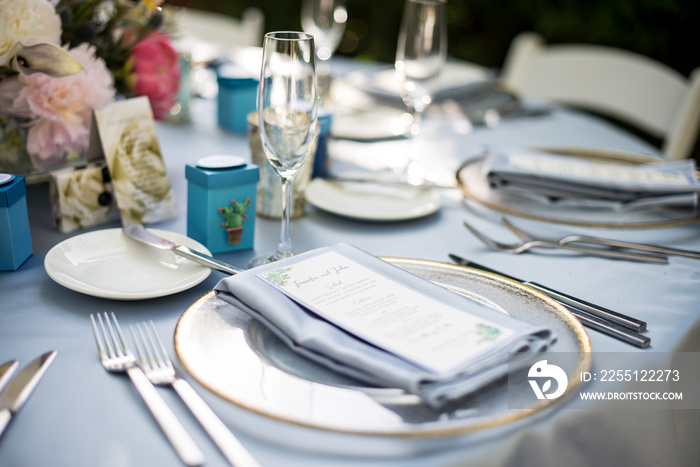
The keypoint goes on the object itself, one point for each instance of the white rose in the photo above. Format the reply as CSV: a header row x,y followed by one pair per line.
x,y
29,22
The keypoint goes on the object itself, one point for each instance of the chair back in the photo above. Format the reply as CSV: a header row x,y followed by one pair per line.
x,y
621,84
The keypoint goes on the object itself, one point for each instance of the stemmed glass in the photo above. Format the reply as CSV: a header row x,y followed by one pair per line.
x,y
325,20
420,57
287,116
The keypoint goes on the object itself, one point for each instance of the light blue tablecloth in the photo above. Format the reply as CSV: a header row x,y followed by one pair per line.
x,y
82,416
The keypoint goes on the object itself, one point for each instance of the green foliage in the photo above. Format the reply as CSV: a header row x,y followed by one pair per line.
x,y
481,30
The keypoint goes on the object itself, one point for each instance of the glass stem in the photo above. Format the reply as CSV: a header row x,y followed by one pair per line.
x,y
409,171
284,248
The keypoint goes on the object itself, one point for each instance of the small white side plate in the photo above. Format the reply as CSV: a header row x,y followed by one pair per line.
x,y
377,203
105,263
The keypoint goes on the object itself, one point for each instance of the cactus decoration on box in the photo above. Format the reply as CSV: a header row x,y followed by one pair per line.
x,y
234,216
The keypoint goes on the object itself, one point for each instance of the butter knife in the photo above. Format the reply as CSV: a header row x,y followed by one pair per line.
x,y
6,371
14,396
612,323
139,233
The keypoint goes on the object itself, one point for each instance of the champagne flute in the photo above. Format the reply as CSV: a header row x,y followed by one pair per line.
x,y
287,117
420,57
325,20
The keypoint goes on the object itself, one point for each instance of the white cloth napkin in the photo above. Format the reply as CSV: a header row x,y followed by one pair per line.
x,y
570,181
319,340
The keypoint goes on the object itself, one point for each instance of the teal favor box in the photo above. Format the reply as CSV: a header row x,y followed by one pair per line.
x,y
221,206
236,99
15,238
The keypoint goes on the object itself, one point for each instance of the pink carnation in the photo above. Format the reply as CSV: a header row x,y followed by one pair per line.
x,y
156,70
64,107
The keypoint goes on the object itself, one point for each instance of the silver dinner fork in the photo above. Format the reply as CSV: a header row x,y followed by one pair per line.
x,y
664,250
529,242
156,364
117,358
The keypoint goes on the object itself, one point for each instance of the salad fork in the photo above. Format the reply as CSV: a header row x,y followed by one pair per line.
x,y
661,250
117,358
664,250
156,364
529,242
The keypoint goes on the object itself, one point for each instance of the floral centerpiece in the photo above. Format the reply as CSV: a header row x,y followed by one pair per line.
x,y
60,59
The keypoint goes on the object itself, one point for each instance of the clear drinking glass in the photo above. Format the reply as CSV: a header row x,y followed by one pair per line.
x,y
420,57
287,116
325,20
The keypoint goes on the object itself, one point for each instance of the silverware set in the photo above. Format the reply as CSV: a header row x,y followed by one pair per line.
x,y
607,248
154,367
617,325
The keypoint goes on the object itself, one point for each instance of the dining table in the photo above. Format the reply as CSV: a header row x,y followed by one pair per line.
x,y
81,415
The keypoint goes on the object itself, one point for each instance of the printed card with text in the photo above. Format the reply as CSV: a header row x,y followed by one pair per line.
x,y
128,139
388,314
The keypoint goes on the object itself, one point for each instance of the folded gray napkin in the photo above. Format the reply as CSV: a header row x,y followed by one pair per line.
x,y
339,350
569,181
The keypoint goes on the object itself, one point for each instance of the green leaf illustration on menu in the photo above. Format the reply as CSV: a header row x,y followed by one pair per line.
x,y
487,333
279,277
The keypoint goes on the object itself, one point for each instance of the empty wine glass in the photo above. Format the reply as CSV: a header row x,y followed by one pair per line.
x,y
420,57
287,116
325,20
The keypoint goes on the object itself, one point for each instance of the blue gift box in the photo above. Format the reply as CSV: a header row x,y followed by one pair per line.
x,y
15,238
221,206
236,99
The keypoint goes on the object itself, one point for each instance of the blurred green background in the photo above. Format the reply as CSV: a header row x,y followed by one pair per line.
x,y
481,30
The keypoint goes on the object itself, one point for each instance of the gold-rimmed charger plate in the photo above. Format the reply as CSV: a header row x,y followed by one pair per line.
x,y
241,361
472,181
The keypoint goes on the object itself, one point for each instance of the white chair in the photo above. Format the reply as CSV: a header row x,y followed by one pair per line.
x,y
614,82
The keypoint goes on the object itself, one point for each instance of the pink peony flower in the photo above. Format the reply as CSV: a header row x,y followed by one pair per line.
x,y
64,107
155,72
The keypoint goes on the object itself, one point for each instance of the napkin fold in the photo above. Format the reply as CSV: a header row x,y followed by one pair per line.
x,y
570,181
316,338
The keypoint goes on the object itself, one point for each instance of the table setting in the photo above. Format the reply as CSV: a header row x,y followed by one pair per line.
x,y
452,274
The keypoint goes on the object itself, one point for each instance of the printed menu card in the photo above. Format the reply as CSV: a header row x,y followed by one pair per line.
x,y
385,313
368,319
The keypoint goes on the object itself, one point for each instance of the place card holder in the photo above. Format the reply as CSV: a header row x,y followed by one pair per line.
x,y
82,197
221,203
15,237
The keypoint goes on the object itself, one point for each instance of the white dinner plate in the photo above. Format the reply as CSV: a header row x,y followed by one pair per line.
x,y
372,202
106,263
371,124
240,360
455,77
475,186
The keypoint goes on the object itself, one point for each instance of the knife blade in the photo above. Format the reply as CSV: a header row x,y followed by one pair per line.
x,y
593,316
139,233
14,396
6,371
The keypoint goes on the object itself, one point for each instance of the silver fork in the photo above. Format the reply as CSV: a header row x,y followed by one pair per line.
x,y
156,364
531,242
664,250
117,358
648,257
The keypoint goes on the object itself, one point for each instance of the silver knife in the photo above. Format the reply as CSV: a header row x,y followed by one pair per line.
x,y
139,233
20,388
595,317
6,371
